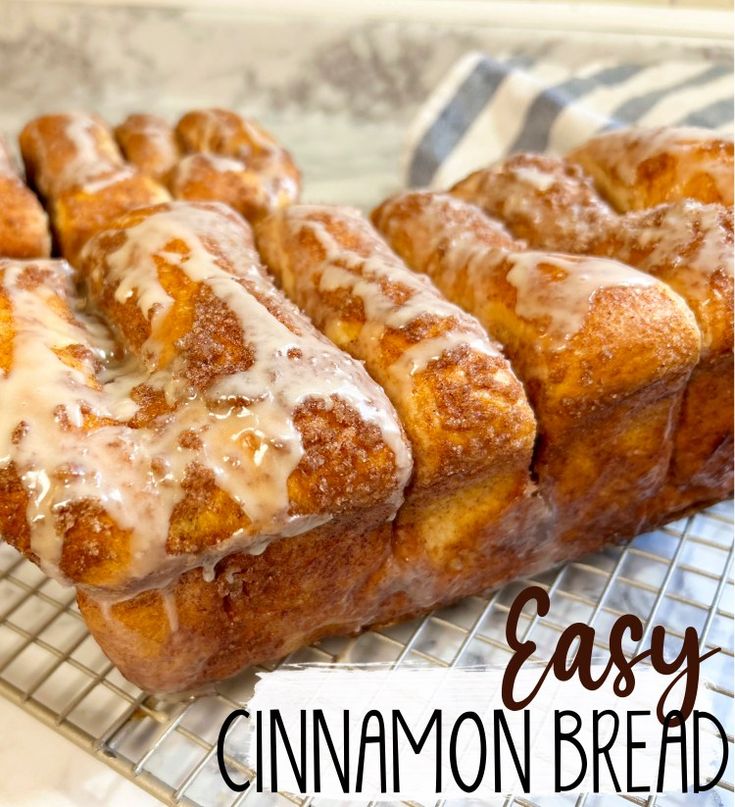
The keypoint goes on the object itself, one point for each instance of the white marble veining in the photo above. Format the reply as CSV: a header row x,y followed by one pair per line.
x,y
339,89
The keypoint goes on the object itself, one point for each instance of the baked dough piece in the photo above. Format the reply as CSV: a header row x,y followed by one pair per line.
x,y
552,205
471,518
75,165
640,168
149,143
24,229
232,422
463,409
604,353
233,160
252,609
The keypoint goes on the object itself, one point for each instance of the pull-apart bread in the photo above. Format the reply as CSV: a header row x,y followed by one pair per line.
x,y
245,442
604,352
77,169
471,513
686,242
215,155
231,423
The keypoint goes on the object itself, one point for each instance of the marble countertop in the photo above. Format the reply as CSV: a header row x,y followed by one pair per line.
x,y
338,84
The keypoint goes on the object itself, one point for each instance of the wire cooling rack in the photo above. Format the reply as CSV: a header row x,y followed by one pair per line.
x,y
49,665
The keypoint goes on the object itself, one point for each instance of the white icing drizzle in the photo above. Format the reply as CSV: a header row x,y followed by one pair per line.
x,y
288,369
224,126
473,248
627,149
532,175
668,241
415,358
136,475
57,464
168,598
365,278
561,289
188,167
98,183
155,130
447,227
254,155
88,165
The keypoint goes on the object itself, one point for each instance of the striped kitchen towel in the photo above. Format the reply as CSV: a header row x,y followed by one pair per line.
x,y
487,108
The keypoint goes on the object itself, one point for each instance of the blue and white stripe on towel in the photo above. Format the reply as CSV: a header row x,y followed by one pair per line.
x,y
486,108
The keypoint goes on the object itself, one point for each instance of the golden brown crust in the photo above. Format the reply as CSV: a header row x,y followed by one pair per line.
x,y
604,361
553,205
149,143
233,160
24,229
641,168
74,163
257,608
464,410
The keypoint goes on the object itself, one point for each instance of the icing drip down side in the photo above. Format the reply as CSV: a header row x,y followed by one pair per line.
x,y
74,439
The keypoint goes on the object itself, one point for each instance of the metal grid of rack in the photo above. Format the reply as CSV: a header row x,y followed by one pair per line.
x,y
678,576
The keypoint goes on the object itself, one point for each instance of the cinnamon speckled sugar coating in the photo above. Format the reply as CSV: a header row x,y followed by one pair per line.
x,y
552,204
639,168
73,162
180,456
24,231
465,412
604,352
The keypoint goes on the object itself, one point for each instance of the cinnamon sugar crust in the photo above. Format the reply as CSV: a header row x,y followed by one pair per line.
x,y
24,230
688,244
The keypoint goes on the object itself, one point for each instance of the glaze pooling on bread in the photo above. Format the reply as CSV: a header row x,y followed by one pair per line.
x,y
139,449
689,241
286,362
59,437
